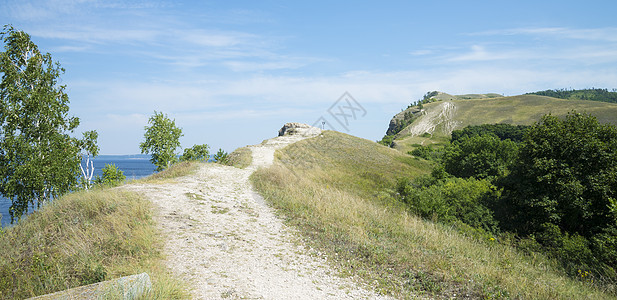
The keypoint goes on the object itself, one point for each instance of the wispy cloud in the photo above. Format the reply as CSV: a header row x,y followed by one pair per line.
x,y
606,34
480,53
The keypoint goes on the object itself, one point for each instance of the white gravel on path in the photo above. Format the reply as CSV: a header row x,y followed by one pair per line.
x,y
227,243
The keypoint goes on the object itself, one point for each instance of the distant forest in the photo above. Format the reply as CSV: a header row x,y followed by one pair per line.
x,y
593,94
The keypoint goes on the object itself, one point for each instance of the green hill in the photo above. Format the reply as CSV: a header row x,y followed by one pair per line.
x,y
338,190
440,117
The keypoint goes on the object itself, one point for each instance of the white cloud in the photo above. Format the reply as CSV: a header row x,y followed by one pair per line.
x,y
606,34
479,53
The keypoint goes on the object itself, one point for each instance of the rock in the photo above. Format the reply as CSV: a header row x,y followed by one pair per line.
x,y
128,287
299,129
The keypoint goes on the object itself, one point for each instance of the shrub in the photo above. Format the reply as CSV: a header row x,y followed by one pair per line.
x,y
450,200
221,157
387,140
112,176
480,156
197,152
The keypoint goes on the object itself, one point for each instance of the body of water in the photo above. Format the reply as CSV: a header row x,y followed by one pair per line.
x,y
133,166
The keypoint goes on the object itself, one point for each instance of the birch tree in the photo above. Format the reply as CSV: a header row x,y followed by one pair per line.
x,y
161,140
39,157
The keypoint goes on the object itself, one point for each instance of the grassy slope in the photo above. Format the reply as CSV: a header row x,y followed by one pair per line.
x,y
527,109
516,110
334,189
86,237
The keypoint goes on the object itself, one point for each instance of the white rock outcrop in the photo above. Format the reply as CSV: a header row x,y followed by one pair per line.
x,y
300,129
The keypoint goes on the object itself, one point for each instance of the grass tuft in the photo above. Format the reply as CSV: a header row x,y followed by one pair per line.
x,y
335,190
82,238
240,158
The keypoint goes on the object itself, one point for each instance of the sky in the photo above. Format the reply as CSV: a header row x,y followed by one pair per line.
x,y
231,73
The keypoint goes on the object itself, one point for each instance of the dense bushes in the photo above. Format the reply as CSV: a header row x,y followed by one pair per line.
x,y
593,94
556,189
480,156
450,200
514,133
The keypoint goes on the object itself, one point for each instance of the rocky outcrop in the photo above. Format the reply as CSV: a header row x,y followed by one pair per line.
x,y
299,129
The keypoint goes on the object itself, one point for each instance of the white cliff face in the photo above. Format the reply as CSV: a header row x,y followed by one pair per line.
x,y
440,117
299,129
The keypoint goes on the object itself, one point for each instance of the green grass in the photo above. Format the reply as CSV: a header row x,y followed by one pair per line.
x,y
335,189
82,238
409,143
527,109
240,158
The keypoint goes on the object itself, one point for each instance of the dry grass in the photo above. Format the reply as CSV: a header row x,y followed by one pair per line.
x,y
240,158
82,238
179,169
334,188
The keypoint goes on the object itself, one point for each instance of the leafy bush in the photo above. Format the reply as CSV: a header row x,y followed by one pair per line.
x,y
112,176
426,152
450,200
480,156
387,140
197,152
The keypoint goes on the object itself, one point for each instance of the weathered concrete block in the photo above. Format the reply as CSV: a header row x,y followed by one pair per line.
x,y
128,287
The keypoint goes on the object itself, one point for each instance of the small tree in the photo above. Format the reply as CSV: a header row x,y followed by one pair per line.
x,y
162,138
112,176
39,159
197,152
221,156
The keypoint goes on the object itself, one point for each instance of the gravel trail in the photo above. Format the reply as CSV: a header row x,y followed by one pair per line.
x,y
228,244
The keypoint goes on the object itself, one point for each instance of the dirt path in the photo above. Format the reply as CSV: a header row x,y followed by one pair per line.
x,y
225,241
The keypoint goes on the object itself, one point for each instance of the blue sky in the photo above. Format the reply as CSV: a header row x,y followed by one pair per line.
x,y
231,73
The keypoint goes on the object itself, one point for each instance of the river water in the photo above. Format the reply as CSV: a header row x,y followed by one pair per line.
x,y
133,166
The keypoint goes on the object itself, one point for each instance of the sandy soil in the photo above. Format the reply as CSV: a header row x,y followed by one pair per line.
x,y
227,243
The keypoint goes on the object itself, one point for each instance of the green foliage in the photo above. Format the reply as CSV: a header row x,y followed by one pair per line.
x,y
197,152
387,140
556,188
162,138
502,131
426,152
221,157
562,190
480,156
112,176
450,200
39,160
566,175
593,94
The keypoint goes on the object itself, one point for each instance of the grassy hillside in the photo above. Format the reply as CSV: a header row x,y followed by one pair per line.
x,y
516,110
337,190
86,237
527,109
